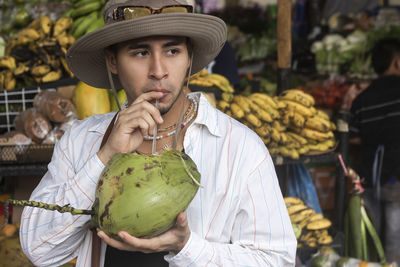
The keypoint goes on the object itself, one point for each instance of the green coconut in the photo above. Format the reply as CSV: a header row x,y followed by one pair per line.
x,y
143,195
139,194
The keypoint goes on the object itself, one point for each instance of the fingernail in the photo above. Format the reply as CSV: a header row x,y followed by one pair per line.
x,y
100,234
121,234
160,119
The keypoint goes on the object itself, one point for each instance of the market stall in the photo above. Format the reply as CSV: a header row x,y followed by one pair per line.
x,y
295,91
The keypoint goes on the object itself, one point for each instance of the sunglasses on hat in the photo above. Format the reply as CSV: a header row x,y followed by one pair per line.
x,y
133,12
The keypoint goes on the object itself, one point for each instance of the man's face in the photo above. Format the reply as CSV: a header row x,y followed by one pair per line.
x,y
152,64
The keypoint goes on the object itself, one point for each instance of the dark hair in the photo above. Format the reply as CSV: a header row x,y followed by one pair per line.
x,y
383,53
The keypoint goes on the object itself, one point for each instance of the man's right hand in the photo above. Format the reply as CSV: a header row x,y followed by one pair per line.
x,y
133,123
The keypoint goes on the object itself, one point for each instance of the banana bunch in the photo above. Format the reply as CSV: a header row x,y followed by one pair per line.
x,y
37,53
87,16
288,124
314,227
214,80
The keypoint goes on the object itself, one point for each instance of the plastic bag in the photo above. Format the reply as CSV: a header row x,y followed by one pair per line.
x,y
301,185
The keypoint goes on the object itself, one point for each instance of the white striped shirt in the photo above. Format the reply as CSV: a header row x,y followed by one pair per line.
x,y
238,218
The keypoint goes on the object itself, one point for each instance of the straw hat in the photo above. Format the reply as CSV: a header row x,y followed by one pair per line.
x,y
86,57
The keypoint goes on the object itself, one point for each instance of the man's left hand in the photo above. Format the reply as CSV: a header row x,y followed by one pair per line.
x,y
172,240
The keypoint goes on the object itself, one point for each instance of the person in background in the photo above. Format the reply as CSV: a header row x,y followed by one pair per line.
x,y
375,123
237,218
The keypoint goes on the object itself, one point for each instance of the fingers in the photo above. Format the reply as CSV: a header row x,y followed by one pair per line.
x,y
114,243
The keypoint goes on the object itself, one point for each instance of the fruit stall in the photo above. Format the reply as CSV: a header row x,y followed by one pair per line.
x,y
306,124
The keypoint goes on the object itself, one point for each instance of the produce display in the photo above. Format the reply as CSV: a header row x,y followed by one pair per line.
x,y
288,124
89,100
37,54
311,228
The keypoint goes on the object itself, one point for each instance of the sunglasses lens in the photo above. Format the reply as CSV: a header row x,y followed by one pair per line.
x,y
136,12
174,9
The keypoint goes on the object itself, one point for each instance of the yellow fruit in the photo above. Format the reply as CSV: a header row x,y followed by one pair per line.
x,y
298,96
237,111
61,25
45,24
325,240
315,135
268,101
8,63
253,120
242,102
40,70
89,100
228,97
292,200
296,107
262,131
322,114
319,224
122,98
52,76
223,105
297,137
296,208
317,123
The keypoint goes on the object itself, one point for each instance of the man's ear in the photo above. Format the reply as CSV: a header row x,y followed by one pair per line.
x,y
112,60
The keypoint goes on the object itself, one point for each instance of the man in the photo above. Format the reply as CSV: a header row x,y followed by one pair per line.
x,y
375,122
237,218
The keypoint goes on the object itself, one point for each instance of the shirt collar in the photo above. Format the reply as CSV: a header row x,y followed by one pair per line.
x,y
206,115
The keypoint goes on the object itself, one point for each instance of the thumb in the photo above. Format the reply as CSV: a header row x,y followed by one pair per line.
x,y
181,220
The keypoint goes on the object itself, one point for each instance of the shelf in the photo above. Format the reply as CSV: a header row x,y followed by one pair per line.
x,y
40,168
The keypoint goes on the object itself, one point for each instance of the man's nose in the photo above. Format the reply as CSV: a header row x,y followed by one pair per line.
x,y
158,69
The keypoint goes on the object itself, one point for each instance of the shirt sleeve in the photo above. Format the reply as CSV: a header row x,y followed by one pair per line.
x,y
262,234
50,238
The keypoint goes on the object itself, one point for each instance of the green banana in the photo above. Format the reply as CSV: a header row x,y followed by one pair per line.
x,y
99,22
81,29
84,2
86,9
75,24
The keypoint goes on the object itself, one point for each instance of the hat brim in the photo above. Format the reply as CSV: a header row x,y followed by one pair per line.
x,y
86,58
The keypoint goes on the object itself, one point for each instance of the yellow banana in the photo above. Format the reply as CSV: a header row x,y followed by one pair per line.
x,y
319,224
315,135
21,69
9,80
266,140
322,114
45,24
262,131
317,123
292,209
303,150
304,94
259,112
223,105
52,76
277,125
333,126
254,121
63,39
29,33
201,82
296,107
229,113
221,82
2,77
297,137
61,25
298,96
297,120
40,70
292,201
228,97
262,104
268,101
325,240
275,135
237,111
65,65
242,102
8,63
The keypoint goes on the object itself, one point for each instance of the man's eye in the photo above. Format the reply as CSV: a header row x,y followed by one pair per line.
x,y
173,51
141,53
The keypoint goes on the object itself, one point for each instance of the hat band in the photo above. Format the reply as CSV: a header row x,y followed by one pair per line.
x,y
122,13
